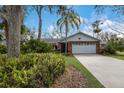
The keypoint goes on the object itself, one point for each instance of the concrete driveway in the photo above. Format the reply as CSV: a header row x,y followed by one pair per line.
x,y
109,71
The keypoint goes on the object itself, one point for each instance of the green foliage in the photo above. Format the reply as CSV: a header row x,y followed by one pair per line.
x,y
1,38
30,70
119,44
3,49
2,26
109,49
114,44
121,57
36,46
69,19
52,66
24,29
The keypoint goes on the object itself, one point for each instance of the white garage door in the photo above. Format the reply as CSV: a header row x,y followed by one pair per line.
x,y
78,48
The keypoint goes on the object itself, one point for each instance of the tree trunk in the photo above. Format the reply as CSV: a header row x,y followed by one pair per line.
x,y
66,26
14,24
40,27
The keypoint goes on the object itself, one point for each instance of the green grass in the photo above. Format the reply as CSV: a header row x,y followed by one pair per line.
x,y
121,53
92,81
118,57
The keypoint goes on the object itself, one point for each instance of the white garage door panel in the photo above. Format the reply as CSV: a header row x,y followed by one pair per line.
x,y
82,48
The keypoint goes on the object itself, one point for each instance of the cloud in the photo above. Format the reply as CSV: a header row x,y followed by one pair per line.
x,y
50,28
113,26
82,20
95,17
51,32
86,26
106,26
88,32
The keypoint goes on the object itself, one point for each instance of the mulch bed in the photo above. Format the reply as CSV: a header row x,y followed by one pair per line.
x,y
71,78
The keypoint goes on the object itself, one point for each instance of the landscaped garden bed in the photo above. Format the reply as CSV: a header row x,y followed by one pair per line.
x,y
31,70
45,70
72,78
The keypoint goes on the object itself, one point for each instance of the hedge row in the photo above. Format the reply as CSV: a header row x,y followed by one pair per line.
x,y
31,70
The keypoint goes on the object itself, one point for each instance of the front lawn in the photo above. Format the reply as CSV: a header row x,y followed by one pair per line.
x,y
120,53
118,57
92,81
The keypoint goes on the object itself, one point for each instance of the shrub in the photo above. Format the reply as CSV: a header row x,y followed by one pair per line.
x,y
109,49
30,70
52,66
3,49
120,46
36,46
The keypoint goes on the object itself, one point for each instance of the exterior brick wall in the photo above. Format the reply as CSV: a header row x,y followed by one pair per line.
x,y
69,47
98,47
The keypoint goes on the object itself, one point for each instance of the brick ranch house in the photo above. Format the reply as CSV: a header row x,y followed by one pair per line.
x,y
77,44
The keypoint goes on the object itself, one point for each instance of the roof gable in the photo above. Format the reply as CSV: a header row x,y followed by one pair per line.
x,y
80,37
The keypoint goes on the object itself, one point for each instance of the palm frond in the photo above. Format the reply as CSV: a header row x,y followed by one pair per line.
x,y
61,20
61,27
70,18
72,23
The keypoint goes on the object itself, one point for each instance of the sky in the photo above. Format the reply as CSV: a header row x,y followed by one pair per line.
x,y
86,12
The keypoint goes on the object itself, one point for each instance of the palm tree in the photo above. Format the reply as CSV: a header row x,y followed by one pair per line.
x,y
39,10
13,15
68,19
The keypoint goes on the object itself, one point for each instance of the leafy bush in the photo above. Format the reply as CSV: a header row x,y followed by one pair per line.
x,y
109,49
114,43
3,49
36,46
120,45
31,70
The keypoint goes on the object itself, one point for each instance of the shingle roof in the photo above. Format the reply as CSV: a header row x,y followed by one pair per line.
x,y
80,33
55,40
51,40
